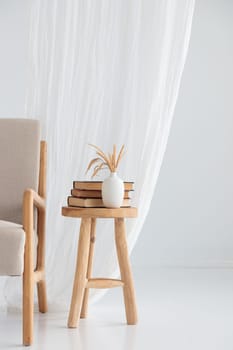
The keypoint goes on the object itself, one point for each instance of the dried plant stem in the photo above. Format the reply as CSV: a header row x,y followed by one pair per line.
x,y
120,156
104,160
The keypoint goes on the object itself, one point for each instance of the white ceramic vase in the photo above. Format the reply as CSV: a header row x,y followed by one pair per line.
x,y
113,191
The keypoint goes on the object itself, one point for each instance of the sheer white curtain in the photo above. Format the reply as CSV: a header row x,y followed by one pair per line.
x,y
102,72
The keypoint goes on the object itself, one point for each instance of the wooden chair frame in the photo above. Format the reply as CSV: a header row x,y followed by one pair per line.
x,y
32,200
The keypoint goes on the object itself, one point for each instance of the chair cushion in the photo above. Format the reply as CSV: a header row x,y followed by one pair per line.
x,y
19,163
12,240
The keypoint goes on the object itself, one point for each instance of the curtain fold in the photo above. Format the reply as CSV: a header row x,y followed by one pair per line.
x,y
102,72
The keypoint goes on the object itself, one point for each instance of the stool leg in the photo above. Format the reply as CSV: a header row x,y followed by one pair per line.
x,y
126,273
89,268
80,273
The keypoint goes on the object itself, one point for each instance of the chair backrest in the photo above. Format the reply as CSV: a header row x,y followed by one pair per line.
x,y
19,164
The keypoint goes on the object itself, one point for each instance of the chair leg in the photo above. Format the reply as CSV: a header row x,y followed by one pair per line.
x,y
28,274
28,306
42,296
41,284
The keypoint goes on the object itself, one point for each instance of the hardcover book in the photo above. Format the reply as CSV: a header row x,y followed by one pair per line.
x,y
92,193
91,202
96,185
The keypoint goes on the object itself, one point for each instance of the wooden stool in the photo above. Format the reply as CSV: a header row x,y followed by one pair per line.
x,y
82,278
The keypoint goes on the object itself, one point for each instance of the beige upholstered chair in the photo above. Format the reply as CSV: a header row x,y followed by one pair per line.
x,y
23,188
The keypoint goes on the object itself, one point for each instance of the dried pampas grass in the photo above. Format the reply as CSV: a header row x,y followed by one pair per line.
x,y
105,161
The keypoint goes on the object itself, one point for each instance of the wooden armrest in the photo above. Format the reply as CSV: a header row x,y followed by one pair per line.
x,y
31,197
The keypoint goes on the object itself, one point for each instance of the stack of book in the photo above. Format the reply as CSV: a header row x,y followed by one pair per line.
x,y
87,194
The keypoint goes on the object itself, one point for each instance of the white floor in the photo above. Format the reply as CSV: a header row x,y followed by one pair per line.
x,y
178,309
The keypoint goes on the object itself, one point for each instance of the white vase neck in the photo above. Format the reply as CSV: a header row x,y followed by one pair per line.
x,y
113,174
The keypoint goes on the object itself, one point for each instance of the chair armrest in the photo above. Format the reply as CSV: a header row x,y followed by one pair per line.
x,y
31,197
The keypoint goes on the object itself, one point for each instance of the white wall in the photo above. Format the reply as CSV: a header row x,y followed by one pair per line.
x,y
14,22
191,217
190,222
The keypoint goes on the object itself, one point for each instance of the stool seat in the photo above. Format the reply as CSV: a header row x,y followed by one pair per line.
x,y
83,279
